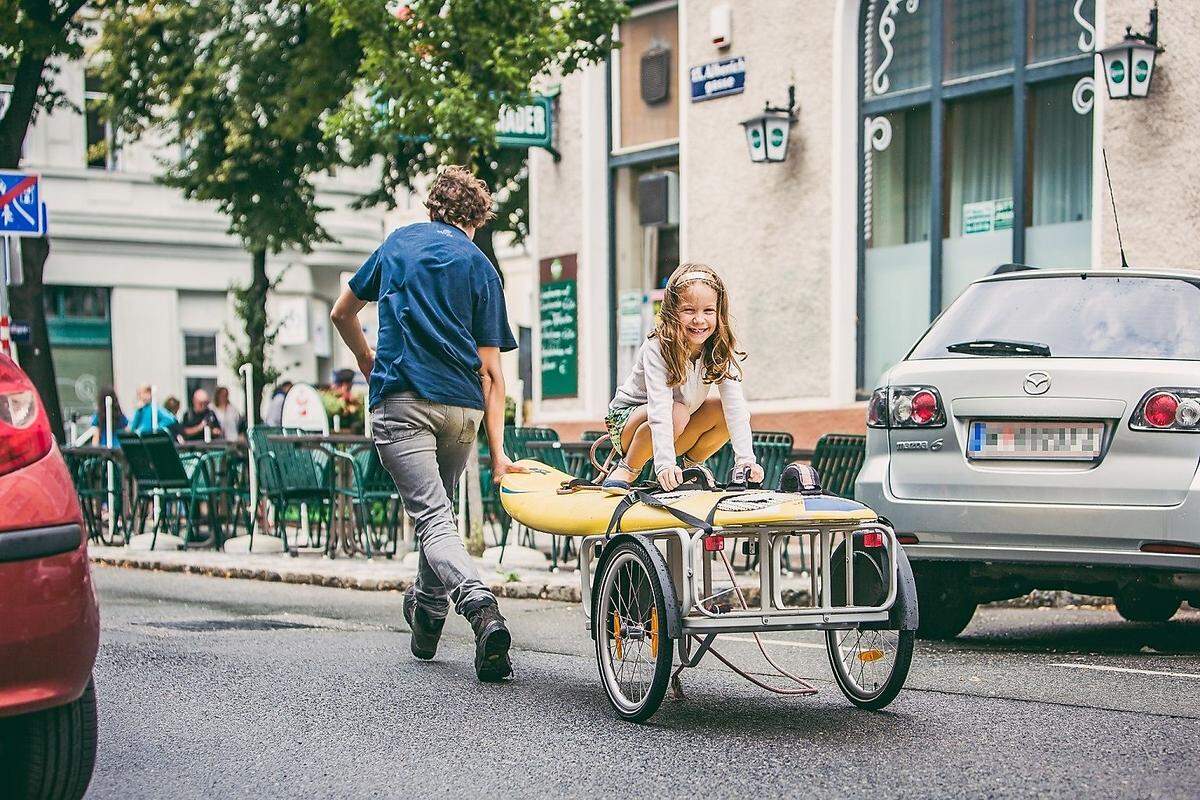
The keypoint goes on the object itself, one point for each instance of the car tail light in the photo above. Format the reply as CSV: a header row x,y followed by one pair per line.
x,y
1172,548
24,429
1168,409
906,407
907,538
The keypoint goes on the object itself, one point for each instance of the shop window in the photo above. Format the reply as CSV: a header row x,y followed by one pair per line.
x,y
1060,177
897,219
978,212
1056,29
77,319
101,138
978,36
949,148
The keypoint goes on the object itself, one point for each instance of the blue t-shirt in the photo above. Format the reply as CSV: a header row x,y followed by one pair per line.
x,y
440,300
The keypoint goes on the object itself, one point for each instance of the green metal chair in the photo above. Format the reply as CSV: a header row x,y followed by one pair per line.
x,y
772,449
160,474
291,477
517,443
89,474
378,510
838,457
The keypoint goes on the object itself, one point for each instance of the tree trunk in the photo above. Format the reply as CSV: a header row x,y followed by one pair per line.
x,y
484,241
256,331
475,542
27,306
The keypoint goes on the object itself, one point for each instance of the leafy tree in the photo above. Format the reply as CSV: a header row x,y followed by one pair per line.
x,y
435,73
240,89
35,37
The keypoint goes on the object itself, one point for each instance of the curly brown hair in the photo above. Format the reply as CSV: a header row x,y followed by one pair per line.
x,y
459,198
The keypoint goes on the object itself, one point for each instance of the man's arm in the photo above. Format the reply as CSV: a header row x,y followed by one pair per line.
x,y
493,411
345,318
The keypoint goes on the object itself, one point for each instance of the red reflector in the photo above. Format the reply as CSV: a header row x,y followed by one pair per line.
x,y
907,538
1174,549
1160,409
924,407
872,539
714,543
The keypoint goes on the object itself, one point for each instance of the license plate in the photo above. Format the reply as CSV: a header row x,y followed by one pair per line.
x,y
1064,441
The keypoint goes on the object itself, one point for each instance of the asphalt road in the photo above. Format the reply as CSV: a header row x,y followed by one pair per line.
x,y
213,688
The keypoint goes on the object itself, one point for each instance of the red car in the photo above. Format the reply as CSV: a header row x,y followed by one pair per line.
x,y
49,622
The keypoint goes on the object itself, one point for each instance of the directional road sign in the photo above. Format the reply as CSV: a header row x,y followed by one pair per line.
x,y
21,205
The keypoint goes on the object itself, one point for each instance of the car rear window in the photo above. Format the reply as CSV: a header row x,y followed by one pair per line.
x,y
1076,317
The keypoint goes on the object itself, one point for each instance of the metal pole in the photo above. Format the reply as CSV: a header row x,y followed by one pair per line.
x,y
247,372
5,332
112,497
154,429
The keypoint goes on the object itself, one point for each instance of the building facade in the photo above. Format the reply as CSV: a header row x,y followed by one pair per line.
x,y
933,142
138,282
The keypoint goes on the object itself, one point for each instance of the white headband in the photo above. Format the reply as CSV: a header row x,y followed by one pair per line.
x,y
694,276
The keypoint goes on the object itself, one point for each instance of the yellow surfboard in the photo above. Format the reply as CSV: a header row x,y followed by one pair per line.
x,y
533,499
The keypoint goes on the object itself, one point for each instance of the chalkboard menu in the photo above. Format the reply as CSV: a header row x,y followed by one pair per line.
x,y
558,311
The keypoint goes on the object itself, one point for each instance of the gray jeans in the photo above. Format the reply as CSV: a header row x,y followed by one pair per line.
x,y
425,447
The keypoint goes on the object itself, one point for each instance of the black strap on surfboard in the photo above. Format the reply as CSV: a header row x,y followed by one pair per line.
x,y
636,496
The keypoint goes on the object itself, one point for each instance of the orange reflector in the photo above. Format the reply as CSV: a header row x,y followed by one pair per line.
x,y
870,655
1172,548
654,633
617,633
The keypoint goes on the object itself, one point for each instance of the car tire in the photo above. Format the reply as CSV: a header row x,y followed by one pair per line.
x,y
50,755
1139,604
945,609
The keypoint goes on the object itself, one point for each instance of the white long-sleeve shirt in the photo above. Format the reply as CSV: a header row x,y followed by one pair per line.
x,y
647,385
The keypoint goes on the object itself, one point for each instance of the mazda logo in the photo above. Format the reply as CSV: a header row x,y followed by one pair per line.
x,y
1036,383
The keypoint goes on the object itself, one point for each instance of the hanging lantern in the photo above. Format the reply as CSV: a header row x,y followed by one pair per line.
x,y
767,134
1129,64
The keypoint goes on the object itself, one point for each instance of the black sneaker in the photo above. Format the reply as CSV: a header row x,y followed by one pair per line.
x,y
492,641
425,629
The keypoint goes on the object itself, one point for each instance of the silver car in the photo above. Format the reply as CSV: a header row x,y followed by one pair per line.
x,y
1044,433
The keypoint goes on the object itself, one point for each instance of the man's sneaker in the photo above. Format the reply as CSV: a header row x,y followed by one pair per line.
x,y
492,641
425,629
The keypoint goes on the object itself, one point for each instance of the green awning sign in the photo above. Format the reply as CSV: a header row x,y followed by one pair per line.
x,y
529,125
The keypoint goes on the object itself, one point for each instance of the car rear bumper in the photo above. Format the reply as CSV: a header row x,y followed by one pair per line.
x,y
1036,533
50,625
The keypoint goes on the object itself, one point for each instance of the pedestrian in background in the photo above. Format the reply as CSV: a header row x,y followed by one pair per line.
x,y
442,326
198,417
144,417
100,435
229,419
274,415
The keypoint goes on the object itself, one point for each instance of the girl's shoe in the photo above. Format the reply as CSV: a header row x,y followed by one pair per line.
x,y
613,486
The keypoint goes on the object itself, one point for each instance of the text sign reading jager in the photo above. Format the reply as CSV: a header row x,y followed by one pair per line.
x,y
718,78
559,326
525,126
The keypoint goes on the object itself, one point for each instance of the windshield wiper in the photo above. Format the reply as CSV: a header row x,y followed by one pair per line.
x,y
1000,347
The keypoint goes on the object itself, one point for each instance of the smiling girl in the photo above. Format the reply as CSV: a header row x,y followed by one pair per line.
x,y
663,408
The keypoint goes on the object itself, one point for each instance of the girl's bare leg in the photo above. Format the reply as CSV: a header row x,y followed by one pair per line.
x,y
705,433
637,444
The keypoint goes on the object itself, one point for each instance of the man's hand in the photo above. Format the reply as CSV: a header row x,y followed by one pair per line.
x,y
670,478
366,363
502,465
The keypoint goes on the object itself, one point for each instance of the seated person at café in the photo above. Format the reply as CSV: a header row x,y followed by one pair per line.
x,y
146,419
198,417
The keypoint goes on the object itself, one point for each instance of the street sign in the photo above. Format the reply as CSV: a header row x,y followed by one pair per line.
x,y
20,332
718,78
21,212
530,125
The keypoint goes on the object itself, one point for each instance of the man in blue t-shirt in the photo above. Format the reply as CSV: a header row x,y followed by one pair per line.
x,y
435,373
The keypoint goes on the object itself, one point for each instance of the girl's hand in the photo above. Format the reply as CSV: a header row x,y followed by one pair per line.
x,y
755,475
670,478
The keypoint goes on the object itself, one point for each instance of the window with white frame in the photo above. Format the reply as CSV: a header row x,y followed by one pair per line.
x,y
199,362
101,137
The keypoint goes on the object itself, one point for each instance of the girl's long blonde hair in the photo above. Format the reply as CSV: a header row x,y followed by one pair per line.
x,y
718,359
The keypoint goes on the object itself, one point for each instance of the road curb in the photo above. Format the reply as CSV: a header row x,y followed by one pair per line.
x,y
524,588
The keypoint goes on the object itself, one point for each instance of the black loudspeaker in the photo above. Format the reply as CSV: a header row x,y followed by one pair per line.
x,y
658,199
656,75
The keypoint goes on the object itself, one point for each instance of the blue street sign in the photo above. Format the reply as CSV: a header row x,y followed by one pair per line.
x,y
20,332
718,78
21,212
